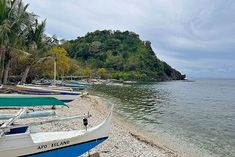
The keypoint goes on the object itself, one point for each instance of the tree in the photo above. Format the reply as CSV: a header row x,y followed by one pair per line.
x,y
123,54
62,59
87,72
103,73
35,43
13,23
63,62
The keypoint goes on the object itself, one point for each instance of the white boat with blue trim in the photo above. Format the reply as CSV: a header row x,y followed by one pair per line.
x,y
17,140
53,144
37,89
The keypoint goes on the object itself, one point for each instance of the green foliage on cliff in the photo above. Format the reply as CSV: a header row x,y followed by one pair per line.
x,y
120,55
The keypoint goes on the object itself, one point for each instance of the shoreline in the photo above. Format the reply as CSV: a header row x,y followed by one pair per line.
x,y
156,146
144,137
125,139
166,139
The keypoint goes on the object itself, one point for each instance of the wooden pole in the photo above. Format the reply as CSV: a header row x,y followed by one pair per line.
x,y
55,71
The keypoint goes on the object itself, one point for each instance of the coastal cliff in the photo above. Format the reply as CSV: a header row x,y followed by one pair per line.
x,y
119,55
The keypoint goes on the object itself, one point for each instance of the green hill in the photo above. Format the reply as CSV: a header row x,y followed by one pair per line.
x,y
120,55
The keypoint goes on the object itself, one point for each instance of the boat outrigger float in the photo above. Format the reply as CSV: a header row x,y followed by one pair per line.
x,y
17,140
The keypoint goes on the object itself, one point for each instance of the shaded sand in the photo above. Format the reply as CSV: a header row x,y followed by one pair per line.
x,y
124,140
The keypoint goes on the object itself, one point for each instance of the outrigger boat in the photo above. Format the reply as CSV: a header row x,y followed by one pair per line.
x,y
65,98
12,101
72,86
46,89
17,140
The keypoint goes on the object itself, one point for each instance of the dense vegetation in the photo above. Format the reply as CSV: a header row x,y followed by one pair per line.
x,y
115,54
26,52
25,49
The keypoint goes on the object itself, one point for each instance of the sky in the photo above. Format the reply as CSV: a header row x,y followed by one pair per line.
x,y
196,37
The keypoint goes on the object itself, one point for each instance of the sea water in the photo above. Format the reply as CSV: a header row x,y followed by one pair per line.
x,y
187,114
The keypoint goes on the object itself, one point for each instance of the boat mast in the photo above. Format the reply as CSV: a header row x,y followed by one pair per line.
x,y
55,70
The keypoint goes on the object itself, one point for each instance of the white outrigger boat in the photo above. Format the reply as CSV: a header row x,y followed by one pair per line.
x,y
37,89
62,94
17,140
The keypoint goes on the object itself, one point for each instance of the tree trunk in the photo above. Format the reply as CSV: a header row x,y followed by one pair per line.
x,y
2,69
25,74
6,71
7,62
2,50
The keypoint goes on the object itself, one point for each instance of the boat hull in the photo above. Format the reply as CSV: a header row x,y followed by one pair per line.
x,y
71,151
45,90
64,98
54,144
59,148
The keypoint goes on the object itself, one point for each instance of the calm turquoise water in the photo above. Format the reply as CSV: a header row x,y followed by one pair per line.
x,y
201,113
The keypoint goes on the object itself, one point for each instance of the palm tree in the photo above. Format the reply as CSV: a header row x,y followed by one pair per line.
x,y
36,45
14,20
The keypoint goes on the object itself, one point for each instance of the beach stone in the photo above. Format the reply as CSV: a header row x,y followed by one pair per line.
x,y
94,155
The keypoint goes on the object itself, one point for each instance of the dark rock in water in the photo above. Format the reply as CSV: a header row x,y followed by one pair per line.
x,y
183,77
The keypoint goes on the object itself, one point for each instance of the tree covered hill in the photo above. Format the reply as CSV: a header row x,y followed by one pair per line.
x,y
27,53
120,55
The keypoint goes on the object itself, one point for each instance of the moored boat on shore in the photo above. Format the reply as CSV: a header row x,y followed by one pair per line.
x,y
19,140
47,90
64,98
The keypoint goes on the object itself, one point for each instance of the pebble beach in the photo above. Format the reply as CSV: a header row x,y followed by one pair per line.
x,y
124,140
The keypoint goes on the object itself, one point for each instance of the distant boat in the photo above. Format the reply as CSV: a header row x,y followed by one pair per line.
x,y
129,82
47,90
72,86
67,85
19,140
79,82
56,84
115,84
